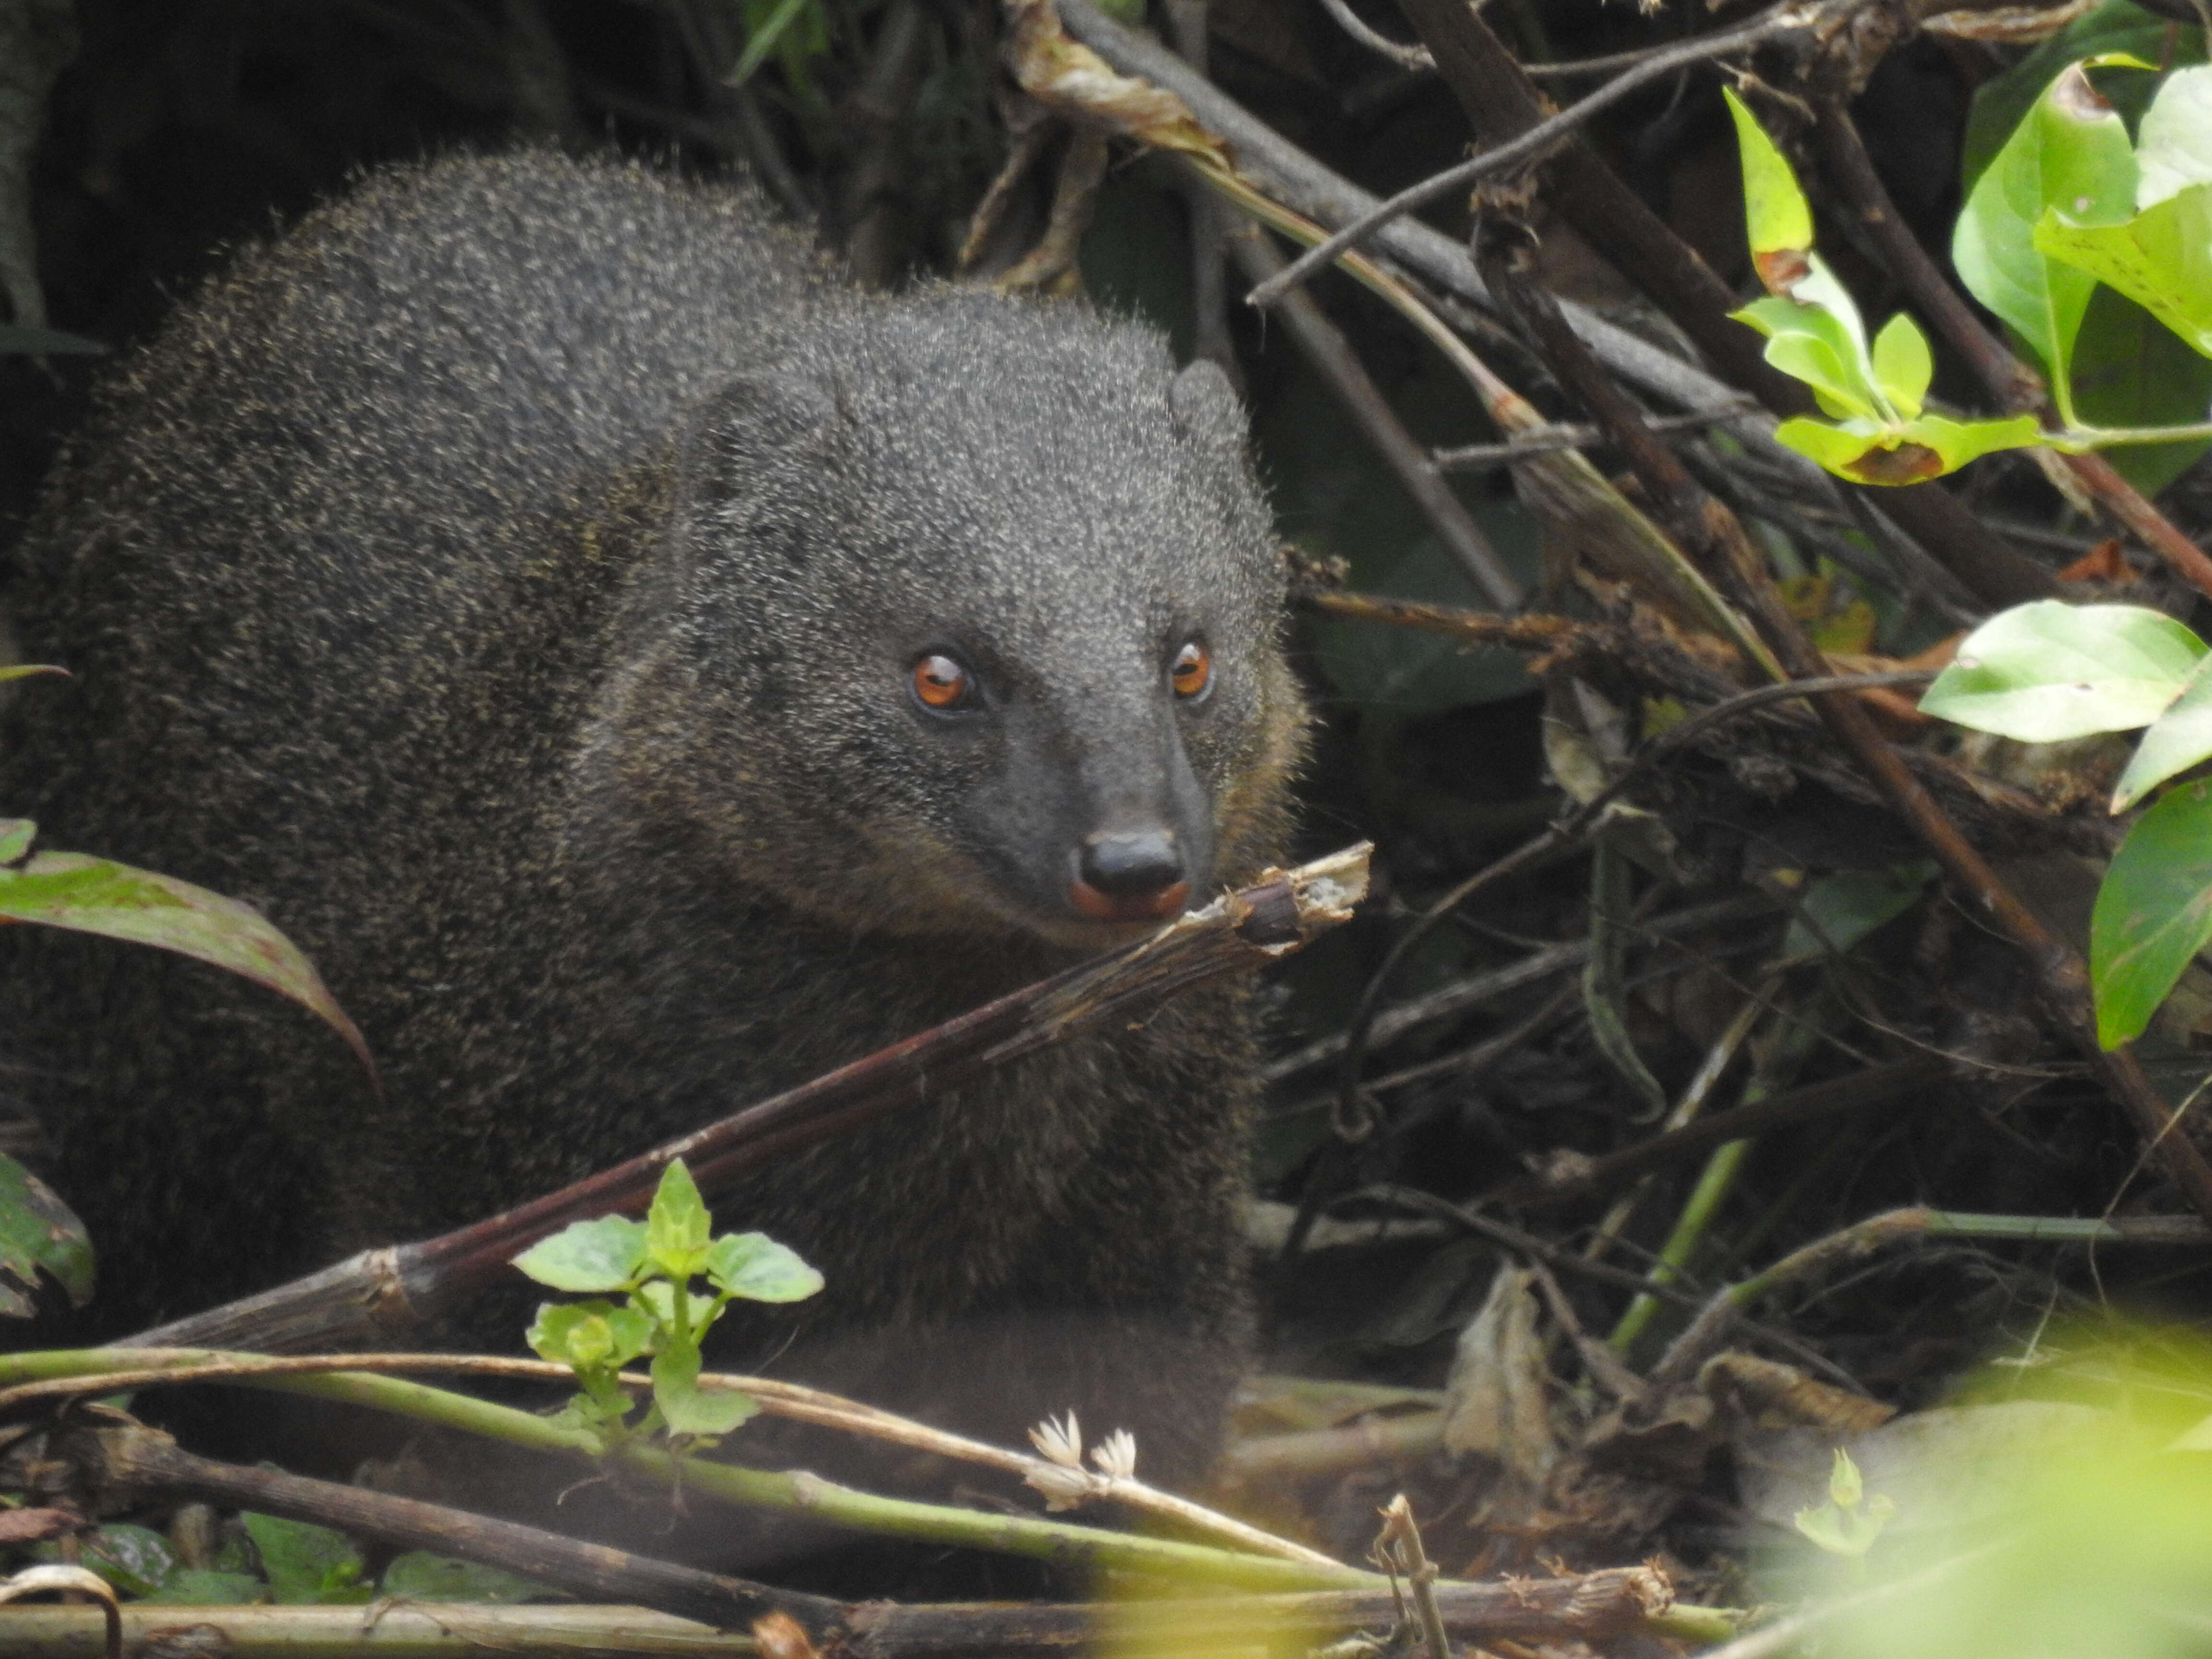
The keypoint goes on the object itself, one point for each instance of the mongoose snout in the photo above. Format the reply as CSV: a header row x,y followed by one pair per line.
x,y
1130,875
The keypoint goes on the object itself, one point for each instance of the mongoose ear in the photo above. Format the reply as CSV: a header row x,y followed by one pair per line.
x,y
1205,406
753,420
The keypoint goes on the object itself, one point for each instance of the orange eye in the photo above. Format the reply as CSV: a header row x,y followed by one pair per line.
x,y
1192,671
940,682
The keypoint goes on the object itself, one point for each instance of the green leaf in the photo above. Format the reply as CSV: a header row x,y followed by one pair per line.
x,y
15,836
1902,364
1813,344
755,1266
1838,911
418,1576
2154,912
590,1336
1775,212
1846,1485
659,1297
2130,369
2173,147
197,1587
2161,259
23,671
39,1233
764,39
2177,740
2118,29
2070,153
305,1564
2045,671
688,1409
677,1227
604,1254
93,896
1867,452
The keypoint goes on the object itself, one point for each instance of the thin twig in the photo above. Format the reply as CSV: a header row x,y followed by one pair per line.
x,y
1472,458
1325,347
1413,56
1781,19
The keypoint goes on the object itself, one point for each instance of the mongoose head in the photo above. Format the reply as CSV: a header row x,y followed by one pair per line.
x,y
967,620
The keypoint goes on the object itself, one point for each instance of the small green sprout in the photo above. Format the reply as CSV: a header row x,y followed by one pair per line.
x,y
1849,1522
650,1265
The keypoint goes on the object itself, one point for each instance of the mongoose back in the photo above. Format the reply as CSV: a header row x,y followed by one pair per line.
x,y
644,674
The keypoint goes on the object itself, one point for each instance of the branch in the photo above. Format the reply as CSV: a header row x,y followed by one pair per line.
x,y
379,1293
128,1465
1710,532
1501,102
1779,21
1333,357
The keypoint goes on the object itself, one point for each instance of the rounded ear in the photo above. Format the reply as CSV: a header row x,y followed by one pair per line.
x,y
749,424
1205,406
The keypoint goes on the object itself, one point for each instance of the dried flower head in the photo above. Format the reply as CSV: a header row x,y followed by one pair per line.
x,y
1060,1440
1116,1456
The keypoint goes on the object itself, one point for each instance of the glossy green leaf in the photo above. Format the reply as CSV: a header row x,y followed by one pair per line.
x,y
418,1576
1903,365
2177,740
604,1253
1776,216
2045,671
15,836
688,1409
93,896
2173,147
305,1564
2161,259
2154,912
2130,369
677,1227
755,1266
23,671
39,1234
2071,153
2117,30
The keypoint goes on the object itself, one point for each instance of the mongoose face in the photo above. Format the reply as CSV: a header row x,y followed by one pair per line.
x,y
1038,599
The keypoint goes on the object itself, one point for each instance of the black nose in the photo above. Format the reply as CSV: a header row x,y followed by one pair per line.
x,y
1131,864
1129,875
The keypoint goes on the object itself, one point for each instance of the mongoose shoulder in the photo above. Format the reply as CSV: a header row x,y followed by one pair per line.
x,y
644,674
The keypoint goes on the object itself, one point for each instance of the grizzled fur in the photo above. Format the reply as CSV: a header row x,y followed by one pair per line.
x,y
509,581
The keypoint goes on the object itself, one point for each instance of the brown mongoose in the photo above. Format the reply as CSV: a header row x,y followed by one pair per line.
x,y
645,674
